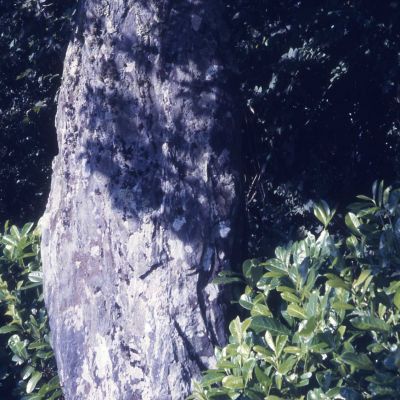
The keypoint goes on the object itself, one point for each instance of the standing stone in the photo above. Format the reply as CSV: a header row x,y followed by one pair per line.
x,y
143,206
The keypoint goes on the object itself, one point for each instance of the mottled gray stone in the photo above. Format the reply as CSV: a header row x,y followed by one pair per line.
x,y
143,201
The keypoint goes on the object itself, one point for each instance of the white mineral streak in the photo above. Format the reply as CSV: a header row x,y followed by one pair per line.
x,y
103,365
74,317
196,22
95,251
178,223
188,249
224,229
130,67
207,260
74,62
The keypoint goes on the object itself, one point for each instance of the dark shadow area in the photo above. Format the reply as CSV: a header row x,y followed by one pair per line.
x,y
149,149
33,39
321,86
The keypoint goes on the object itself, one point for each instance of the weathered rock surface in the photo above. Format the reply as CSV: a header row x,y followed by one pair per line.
x,y
143,200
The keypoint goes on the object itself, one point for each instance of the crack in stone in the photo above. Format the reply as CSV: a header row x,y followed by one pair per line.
x,y
155,266
189,347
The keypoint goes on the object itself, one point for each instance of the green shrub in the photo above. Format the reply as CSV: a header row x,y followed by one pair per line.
x,y
30,359
322,317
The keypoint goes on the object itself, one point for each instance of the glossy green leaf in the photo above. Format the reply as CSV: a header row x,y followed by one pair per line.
x,y
27,372
262,377
246,302
362,278
233,382
27,228
336,282
261,309
297,312
247,369
353,223
275,265
290,297
323,213
235,328
262,324
35,276
309,327
396,299
340,306
287,365
359,361
33,381
292,350
370,324
9,329
18,347
210,378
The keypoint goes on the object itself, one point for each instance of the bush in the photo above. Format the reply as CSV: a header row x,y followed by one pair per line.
x,y
322,316
29,364
321,110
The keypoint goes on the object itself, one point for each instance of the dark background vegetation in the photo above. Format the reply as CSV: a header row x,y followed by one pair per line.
x,y
320,80
33,38
320,91
319,85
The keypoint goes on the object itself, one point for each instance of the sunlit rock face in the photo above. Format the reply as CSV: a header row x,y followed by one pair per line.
x,y
143,210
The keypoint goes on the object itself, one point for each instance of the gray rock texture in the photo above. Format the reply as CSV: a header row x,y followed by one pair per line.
x,y
144,199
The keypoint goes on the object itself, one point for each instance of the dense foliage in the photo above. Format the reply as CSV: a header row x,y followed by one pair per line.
x,y
27,366
33,36
322,316
320,86
319,90
320,93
